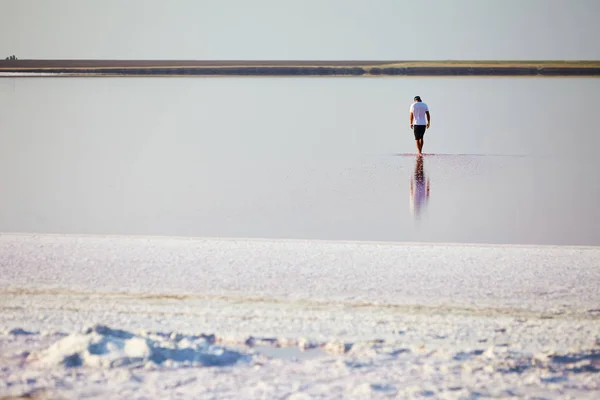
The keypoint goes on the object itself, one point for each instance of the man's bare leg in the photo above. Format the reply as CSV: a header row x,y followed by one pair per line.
x,y
419,143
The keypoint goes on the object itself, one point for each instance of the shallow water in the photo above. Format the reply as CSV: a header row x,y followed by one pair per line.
x,y
508,160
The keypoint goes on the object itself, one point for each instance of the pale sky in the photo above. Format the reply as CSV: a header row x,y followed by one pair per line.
x,y
307,29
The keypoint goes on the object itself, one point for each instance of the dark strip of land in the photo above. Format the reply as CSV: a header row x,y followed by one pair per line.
x,y
297,68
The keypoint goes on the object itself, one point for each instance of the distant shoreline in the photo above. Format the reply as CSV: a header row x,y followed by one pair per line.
x,y
356,68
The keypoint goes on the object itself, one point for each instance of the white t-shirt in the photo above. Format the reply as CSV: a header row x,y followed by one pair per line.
x,y
418,109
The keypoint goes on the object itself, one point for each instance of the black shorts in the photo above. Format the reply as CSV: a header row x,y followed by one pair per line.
x,y
419,131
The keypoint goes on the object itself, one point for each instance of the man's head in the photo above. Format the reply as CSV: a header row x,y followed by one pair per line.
x,y
417,98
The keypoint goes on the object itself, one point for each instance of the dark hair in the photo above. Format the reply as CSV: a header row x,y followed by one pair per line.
x,y
418,98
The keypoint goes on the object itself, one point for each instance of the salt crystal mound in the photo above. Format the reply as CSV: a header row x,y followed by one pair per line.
x,y
103,347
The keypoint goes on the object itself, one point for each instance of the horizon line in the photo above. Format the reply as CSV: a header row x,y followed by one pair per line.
x,y
162,67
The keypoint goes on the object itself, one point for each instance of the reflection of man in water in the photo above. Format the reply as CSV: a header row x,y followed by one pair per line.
x,y
418,122
419,188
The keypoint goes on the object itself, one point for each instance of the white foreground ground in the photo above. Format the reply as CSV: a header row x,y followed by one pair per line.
x,y
159,318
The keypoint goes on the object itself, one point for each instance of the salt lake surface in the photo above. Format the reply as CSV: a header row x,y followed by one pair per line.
x,y
508,160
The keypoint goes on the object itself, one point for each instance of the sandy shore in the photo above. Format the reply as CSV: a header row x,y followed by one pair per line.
x,y
137,317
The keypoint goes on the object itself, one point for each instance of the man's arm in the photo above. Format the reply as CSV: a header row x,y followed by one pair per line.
x,y
428,118
411,119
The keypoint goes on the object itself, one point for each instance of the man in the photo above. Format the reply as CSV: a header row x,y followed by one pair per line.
x,y
418,122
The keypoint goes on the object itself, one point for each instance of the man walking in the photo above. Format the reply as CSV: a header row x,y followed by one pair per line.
x,y
419,120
